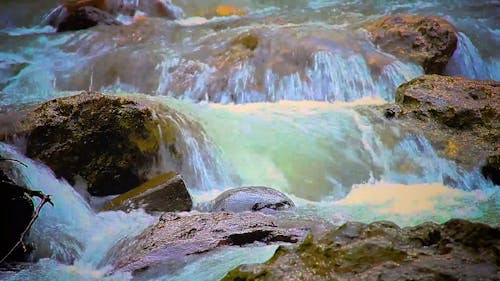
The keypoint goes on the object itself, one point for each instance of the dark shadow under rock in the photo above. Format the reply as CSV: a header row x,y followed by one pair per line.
x,y
86,17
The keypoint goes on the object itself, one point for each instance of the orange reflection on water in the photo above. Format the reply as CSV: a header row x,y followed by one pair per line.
x,y
400,198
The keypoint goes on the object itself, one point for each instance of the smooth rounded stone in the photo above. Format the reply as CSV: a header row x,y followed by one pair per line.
x,y
178,235
164,193
253,198
109,141
455,250
428,41
16,209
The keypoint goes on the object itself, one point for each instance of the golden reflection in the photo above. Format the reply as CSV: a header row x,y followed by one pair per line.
x,y
400,198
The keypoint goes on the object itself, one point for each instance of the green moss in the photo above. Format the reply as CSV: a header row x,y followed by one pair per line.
x,y
237,275
249,41
152,183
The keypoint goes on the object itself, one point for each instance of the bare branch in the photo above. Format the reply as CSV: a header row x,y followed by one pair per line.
x,y
45,199
13,160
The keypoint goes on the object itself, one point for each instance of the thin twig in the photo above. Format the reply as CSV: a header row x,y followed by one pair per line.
x,y
13,160
45,199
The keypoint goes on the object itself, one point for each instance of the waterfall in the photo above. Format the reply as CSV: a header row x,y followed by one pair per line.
x,y
70,231
467,62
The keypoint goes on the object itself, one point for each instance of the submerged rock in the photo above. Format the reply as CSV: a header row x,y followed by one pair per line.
x,y
16,212
253,198
109,141
456,250
176,236
460,116
428,41
164,193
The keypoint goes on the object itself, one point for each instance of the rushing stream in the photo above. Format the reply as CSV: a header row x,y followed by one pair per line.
x,y
299,114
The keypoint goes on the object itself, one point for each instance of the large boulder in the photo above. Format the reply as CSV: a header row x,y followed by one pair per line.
x,y
178,235
428,41
456,250
453,101
458,115
163,193
252,198
109,141
16,211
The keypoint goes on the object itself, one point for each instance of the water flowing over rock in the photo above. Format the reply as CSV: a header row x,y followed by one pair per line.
x,y
254,198
459,115
176,235
429,41
164,193
109,141
455,250
16,209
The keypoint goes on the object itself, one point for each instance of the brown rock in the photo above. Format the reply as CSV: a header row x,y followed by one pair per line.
x,y
428,41
85,17
456,250
175,236
164,193
109,141
458,115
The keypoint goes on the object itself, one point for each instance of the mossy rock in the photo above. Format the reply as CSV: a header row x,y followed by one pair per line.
x,y
109,141
459,116
163,193
428,41
383,251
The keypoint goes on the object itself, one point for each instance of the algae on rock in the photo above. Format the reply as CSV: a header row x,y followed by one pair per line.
x,y
109,141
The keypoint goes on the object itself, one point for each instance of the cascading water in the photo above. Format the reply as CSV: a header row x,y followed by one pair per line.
x,y
467,62
298,113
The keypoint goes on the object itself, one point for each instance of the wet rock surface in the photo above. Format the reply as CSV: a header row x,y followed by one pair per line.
x,y
460,116
428,41
455,250
109,141
177,235
164,193
253,198
85,17
16,212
